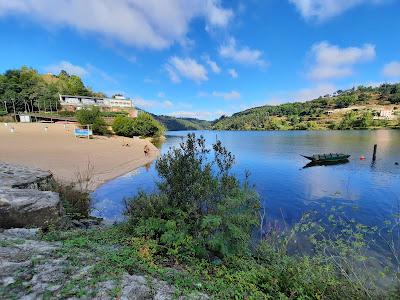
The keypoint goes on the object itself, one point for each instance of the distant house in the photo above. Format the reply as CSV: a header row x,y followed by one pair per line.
x,y
118,103
385,114
330,112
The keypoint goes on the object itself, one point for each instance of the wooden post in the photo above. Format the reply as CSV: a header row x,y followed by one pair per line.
x,y
374,155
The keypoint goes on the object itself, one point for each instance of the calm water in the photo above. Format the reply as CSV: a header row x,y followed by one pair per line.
x,y
276,167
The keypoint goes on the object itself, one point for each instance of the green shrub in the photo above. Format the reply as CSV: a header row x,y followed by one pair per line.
x,y
92,116
201,210
143,125
123,126
3,113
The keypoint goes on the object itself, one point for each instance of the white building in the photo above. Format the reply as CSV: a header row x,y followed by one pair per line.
x,y
77,102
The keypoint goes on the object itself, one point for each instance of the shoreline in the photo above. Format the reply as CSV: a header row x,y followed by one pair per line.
x,y
72,159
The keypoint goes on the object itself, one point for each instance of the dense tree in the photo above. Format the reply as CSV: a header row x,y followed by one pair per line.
x,y
143,125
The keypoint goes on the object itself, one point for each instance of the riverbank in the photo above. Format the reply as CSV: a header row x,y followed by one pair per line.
x,y
71,159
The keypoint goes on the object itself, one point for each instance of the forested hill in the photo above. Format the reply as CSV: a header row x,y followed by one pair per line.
x,y
174,123
355,108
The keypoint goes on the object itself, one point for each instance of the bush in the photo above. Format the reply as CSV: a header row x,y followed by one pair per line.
x,y
92,117
123,126
198,212
143,125
3,113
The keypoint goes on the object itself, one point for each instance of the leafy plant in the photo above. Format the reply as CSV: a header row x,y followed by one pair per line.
x,y
200,209
143,125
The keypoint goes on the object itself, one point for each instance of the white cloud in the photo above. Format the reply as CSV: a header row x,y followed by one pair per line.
x,y
325,9
392,69
233,73
330,61
300,95
149,104
212,64
68,67
232,95
139,23
185,67
204,115
243,55
313,92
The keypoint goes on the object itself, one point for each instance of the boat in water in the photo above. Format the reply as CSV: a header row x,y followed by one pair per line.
x,y
328,158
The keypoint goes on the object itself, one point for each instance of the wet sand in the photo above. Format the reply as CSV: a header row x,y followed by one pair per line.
x,y
67,157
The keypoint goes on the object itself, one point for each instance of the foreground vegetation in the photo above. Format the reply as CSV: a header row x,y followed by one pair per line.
x,y
326,112
205,231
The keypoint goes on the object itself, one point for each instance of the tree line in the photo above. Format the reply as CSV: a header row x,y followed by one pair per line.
x,y
307,115
25,89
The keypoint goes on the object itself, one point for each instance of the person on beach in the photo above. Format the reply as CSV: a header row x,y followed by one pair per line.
x,y
146,150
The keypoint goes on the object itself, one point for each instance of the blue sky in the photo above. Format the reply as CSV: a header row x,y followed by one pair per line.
x,y
204,58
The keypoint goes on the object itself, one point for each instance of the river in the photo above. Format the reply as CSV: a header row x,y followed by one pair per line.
x,y
287,190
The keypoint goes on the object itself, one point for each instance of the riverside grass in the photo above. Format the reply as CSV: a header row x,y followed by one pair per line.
x,y
154,242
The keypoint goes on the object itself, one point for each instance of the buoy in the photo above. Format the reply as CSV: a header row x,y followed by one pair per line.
x,y
362,157
396,163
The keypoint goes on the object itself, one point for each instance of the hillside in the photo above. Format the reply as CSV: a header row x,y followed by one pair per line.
x,y
174,124
361,107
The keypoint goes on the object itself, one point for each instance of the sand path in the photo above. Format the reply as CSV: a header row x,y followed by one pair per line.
x,y
59,151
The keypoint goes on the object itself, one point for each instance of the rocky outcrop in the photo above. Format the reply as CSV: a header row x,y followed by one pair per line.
x,y
31,268
24,201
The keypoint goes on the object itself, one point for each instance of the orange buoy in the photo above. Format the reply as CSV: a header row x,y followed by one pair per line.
x,y
362,157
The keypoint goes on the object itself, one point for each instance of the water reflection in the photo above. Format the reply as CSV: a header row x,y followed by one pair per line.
x,y
316,164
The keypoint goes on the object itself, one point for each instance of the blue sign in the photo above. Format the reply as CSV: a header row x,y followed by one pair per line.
x,y
83,132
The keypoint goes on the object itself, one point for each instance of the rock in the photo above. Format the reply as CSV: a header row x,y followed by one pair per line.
x,y
16,176
135,288
28,207
23,201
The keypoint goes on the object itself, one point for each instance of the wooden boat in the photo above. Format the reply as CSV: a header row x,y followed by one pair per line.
x,y
328,158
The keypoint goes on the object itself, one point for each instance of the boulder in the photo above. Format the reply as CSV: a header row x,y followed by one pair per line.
x,y
24,201
28,207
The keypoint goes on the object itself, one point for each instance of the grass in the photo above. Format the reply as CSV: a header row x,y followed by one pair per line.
x,y
268,274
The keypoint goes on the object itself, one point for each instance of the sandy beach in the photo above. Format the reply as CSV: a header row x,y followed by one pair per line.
x,y
59,151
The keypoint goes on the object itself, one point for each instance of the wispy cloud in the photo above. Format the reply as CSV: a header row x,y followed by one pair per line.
x,y
232,95
331,61
152,104
212,64
233,73
242,55
203,115
146,23
68,67
322,10
392,69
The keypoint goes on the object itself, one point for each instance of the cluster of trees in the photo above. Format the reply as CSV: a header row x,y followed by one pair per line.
x,y
92,116
303,115
353,120
390,92
26,90
143,125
